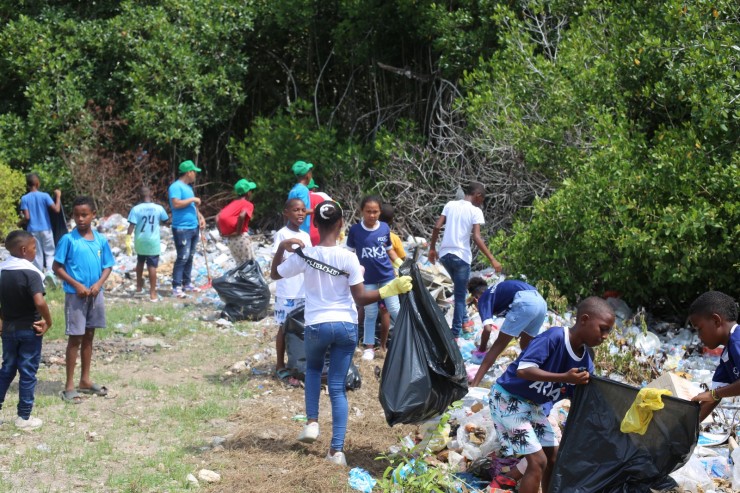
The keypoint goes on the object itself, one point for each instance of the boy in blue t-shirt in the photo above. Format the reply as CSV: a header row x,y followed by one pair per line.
x,y
35,207
543,374
714,314
521,304
84,262
144,220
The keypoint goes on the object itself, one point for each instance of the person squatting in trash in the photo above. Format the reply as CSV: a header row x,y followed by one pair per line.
x,y
714,314
521,304
330,317
370,239
187,222
143,221
544,373
461,219
83,261
290,294
25,319
233,222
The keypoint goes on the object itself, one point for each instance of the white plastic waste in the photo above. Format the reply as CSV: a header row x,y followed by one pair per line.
x,y
693,476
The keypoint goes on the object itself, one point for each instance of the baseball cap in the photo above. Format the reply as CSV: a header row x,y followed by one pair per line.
x,y
301,168
243,186
188,165
312,184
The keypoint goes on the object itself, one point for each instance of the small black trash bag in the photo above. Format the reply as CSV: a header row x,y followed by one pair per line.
x,y
245,292
596,457
424,371
296,354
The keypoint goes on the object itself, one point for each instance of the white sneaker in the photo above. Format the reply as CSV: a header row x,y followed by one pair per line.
x,y
310,433
338,458
368,354
28,424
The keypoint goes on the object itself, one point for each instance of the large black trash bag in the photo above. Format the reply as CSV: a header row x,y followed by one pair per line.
x,y
245,292
296,354
596,457
424,371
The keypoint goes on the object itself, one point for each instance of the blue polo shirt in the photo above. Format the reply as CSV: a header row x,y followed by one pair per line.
x,y
728,370
37,204
187,217
371,247
300,191
551,352
84,260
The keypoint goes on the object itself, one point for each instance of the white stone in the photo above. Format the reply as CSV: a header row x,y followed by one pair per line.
x,y
209,476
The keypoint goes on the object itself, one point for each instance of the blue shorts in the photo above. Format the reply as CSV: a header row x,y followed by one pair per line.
x,y
149,260
522,426
527,313
81,314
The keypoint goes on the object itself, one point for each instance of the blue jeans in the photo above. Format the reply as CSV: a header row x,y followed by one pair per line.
x,y
21,354
371,313
459,271
186,240
340,338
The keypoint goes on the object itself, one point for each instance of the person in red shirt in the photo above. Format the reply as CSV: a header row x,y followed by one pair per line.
x,y
316,198
233,222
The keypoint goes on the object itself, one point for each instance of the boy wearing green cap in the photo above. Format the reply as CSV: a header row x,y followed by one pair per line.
x,y
304,172
186,224
233,222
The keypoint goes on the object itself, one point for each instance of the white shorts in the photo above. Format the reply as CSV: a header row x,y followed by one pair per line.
x,y
283,307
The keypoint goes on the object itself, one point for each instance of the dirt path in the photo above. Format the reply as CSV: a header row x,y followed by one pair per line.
x,y
176,407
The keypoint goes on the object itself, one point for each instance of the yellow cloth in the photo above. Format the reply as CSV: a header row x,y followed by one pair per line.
x,y
640,414
398,246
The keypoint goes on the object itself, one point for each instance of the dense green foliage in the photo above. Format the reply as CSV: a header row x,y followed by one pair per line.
x,y
622,116
14,185
650,204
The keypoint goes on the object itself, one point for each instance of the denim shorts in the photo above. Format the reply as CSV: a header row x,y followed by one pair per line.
x,y
526,314
149,260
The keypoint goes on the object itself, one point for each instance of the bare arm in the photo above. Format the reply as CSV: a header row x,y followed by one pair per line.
x,y
573,376
182,203
240,222
363,297
130,229
708,402
57,205
44,324
277,259
433,241
95,288
478,240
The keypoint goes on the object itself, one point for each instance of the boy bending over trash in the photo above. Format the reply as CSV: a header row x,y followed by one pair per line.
x,y
714,314
543,374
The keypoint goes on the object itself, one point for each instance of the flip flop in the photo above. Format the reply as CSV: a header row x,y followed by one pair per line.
x,y
286,376
96,389
71,396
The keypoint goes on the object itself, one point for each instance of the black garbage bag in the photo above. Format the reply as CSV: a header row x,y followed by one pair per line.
x,y
245,292
296,354
424,371
58,223
596,457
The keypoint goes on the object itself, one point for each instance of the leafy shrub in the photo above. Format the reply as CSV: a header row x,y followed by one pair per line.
x,y
14,185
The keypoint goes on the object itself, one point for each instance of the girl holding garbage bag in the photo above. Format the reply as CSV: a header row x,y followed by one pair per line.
x,y
334,283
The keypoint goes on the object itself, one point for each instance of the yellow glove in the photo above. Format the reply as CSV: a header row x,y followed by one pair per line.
x,y
396,264
128,242
397,286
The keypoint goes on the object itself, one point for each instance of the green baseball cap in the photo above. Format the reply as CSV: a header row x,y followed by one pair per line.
x,y
188,165
243,186
312,184
301,168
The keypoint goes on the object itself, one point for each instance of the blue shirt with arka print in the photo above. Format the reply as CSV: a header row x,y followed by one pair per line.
x,y
551,352
728,371
371,247
496,300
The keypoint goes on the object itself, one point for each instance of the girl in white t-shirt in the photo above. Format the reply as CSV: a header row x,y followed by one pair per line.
x,y
333,284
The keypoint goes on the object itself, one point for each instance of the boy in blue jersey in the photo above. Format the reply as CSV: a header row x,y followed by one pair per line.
x,y
521,304
545,373
303,171
144,220
35,207
83,261
714,315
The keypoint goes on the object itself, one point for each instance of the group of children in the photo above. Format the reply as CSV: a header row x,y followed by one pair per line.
x,y
342,281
